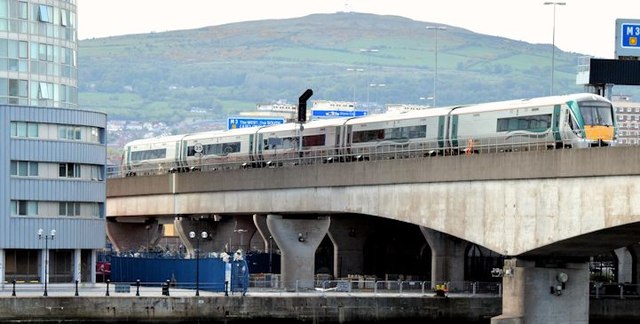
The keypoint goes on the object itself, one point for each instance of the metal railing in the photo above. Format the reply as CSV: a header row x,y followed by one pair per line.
x,y
614,290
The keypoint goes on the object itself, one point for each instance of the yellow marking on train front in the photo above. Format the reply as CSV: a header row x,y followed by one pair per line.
x,y
599,132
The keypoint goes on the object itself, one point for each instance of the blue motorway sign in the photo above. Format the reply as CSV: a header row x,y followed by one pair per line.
x,y
244,122
338,113
630,35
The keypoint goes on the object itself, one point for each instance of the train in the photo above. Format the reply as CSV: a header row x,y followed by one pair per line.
x,y
579,120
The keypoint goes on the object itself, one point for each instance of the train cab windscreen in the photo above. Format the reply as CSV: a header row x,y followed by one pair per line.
x,y
596,113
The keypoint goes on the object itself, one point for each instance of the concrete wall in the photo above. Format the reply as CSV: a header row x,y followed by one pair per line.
x,y
334,309
342,309
571,202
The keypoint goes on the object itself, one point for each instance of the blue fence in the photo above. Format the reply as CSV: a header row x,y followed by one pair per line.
x,y
180,272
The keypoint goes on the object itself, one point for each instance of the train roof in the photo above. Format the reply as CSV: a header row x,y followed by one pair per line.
x,y
411,114
158,139
525,103
222,133
279,127
318,123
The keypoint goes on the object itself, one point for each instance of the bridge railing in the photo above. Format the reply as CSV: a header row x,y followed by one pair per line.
x,y
614,290
382,150
273,284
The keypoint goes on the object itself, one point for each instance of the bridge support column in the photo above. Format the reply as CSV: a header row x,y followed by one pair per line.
x,y
625,265
544,294
260,221
134,236
447,258
349,236
298,239
634,251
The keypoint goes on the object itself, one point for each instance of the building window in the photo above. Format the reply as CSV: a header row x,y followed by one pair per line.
x,y
24,129
44,13
24,208
96,173
69,209
69,133
24,168
23,13
17,89
69,170
94,210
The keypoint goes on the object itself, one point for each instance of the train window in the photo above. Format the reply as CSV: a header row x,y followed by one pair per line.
x,y
368,136
313,140
216,149
273,142
530,123
596,113
289,143
148,155
408,132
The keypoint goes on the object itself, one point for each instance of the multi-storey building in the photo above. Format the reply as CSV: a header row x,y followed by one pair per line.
x,y
627,120
52,153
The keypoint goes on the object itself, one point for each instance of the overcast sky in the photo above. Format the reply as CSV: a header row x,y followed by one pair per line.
x,y
581,26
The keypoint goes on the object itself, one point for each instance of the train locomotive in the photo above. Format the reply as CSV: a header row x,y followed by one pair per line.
x,y
579,120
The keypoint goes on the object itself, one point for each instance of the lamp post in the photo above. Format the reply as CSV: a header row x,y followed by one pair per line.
x,y
193,235
47,237
270,252
241,231
377,85
369,51
148,228
553,39
435,68
356,81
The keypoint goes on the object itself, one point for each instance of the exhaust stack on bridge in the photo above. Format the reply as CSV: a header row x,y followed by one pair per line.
x,y
302,105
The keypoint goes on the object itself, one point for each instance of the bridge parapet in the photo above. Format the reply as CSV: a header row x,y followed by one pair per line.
x,y
519,203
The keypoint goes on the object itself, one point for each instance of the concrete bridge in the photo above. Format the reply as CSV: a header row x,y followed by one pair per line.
x,y
547,211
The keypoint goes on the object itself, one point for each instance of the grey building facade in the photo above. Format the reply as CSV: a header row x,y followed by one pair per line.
x,y
52,154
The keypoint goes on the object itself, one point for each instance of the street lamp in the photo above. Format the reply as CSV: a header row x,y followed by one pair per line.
x,y
369,51
192,235
435,68
47,237
377,85
356,81
553,38
241,231
270,251
426,98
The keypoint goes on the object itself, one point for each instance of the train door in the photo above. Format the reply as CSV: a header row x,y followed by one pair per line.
x,y
555,127
441,139
257,147
454,133
572,129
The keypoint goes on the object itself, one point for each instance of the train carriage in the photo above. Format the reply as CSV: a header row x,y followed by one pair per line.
x,y
148,156
321,138
530,124
396,135
209,150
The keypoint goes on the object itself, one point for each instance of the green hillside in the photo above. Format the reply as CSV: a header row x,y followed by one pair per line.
x,y
230,68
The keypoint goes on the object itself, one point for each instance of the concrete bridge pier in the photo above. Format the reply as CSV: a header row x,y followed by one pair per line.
x,y
348,235
134,236
260,221
544,293
298,239
447,258
183,225
225,233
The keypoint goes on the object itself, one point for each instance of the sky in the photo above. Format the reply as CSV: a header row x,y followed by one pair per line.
x,y
581,26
